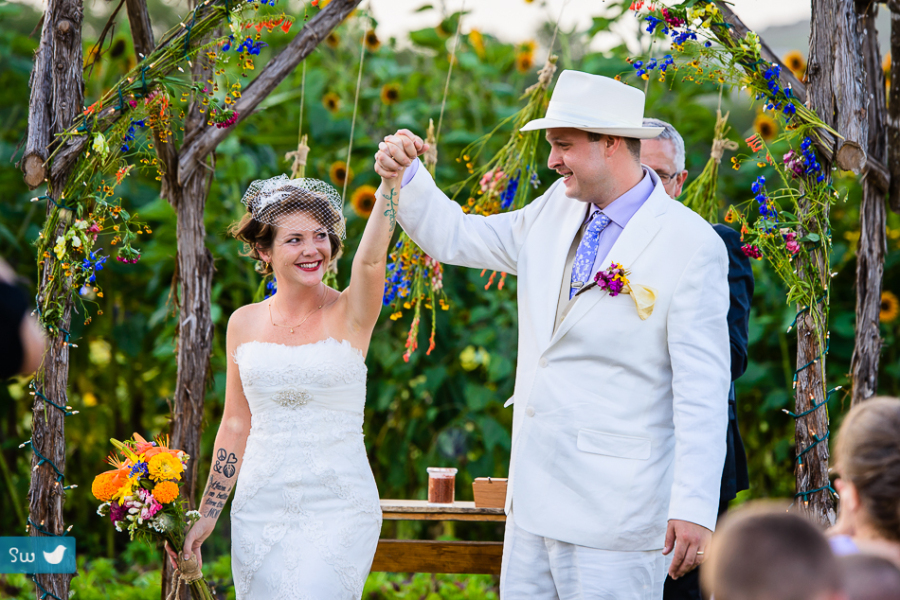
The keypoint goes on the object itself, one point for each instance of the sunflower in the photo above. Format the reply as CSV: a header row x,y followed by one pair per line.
x,y
765,126
363,200
165,491
476,40
164,466
890,307
524,62
372,41
339,173
332,102
528,46
333,40
795,62
390,93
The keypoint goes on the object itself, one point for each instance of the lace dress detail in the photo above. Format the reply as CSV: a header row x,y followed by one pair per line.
x,y
305,515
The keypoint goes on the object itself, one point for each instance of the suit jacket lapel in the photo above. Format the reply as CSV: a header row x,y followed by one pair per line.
x,y
632,241
572,218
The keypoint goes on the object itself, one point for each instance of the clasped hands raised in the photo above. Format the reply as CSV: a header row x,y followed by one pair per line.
x,y
397,152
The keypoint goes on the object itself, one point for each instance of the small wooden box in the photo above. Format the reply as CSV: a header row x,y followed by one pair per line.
x,y
490,492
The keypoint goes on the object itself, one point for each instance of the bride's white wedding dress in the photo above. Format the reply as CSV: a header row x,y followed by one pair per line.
x,y
305,516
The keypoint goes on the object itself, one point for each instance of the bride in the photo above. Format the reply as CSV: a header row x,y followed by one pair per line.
x,y
305,517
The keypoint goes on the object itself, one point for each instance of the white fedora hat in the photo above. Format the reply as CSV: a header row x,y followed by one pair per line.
x,y
597,104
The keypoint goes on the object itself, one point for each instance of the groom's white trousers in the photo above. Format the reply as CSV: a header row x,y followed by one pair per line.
x,y
539,568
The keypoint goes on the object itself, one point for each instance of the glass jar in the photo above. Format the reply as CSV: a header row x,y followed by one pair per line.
x,y
441,485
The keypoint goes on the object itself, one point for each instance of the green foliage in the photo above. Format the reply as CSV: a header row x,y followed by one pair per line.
x,y
439,410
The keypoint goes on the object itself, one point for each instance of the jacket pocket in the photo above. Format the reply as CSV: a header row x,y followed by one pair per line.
x,y
612,444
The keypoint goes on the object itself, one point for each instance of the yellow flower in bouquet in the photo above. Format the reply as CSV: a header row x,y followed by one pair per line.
x,y
164,466
165,491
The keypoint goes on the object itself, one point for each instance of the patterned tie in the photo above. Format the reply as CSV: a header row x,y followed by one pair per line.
x,y
587,252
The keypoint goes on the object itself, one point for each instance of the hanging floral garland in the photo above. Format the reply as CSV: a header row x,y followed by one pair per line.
x,y
786,221
790,218
117,127
701,195
415,279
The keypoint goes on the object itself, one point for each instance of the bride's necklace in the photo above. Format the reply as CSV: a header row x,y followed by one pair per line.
x,y
291,327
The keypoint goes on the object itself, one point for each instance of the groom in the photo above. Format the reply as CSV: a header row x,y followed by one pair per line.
x,y
619,424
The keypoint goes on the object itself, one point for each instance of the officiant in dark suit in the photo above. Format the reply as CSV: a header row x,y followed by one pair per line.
x,y
665,155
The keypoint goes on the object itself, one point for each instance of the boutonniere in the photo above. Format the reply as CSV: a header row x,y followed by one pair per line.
x,y
615,281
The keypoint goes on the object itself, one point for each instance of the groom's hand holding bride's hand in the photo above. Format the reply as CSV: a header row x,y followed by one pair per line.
x,y
689,542
397,152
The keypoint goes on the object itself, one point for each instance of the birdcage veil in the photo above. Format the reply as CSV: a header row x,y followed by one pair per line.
x,y
302,204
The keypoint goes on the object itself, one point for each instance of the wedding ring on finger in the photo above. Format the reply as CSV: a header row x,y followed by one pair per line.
x,y
699,552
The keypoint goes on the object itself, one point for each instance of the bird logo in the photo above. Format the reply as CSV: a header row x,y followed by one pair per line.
x,y
55,557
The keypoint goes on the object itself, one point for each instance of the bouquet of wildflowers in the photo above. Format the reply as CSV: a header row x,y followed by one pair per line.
x,y
141,495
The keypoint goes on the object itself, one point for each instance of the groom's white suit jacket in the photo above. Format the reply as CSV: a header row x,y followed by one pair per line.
x,y
619,423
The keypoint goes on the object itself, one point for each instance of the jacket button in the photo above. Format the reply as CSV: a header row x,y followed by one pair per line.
x,y
529,411
544,362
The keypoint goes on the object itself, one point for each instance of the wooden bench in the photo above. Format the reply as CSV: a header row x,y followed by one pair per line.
x,y
427,556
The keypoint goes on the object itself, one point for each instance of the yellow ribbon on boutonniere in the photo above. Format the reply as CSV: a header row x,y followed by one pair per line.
x,y
644,298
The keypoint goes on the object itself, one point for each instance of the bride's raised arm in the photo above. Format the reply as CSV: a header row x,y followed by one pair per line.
x,y
366,290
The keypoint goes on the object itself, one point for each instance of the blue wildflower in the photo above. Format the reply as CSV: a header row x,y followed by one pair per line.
x,y
654,22
509,194
92,264
139,470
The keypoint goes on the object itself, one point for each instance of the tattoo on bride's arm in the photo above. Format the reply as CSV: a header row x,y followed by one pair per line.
x,y
391,212
217,489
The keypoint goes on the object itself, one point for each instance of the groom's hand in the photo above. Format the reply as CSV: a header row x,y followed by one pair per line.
x,y
397,152
689,542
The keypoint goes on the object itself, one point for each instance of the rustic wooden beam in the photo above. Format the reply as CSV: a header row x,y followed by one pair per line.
x,y
272,74
893,108
141,31
39,121
833,69
58,72
872,239
425,556
851,159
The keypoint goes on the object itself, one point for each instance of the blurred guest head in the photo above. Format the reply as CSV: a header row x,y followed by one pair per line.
x,y
665,155
867,459
762,552
869,577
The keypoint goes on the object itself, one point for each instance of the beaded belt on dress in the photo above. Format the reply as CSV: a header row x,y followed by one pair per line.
x,y
292,398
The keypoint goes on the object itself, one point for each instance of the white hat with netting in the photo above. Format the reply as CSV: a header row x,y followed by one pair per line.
x,y
302,204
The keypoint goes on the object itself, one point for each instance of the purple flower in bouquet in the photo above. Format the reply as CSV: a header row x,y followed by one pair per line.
x,y
117,512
